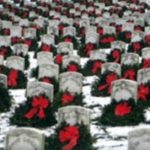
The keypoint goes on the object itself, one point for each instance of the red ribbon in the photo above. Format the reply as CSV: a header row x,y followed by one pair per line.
x,y
67,98
3,51
88,48
138,28
46,80
28,42
61,28
147,39
128,35
96,66
46,48
107,40
68,39
71,135
130,74
116,55
146,63
143,92
100,30
39,104
122,109
15,40
6,31
136,46
109,78
72,67
12,78
59,59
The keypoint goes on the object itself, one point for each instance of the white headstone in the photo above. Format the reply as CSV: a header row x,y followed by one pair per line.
x,y
20,48
65,47
3,80
146,53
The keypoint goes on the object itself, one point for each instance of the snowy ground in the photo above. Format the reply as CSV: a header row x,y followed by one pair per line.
x,y
108,138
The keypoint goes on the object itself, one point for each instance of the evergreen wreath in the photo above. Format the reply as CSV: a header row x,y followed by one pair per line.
x,y
35,112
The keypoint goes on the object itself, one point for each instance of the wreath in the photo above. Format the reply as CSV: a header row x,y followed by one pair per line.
x,y
35,112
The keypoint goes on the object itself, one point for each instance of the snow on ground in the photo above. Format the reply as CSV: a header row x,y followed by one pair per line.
x,y
108,138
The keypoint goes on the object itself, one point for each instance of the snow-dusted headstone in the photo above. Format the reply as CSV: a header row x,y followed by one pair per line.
x,y
25,139
35,88
44,58
49,70
143,75
6,24
48,39
128,27
52,30
109,30
70,58
98,55
16,31
118,45
20,48
124,90
137,36
139,139
91,37
69,31
15,62
71,82
30,33
3,80
113,67
129,59
5,41
65,47
146,53
73,115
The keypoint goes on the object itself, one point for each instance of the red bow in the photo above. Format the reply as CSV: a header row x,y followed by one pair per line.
x,y
100,31
96,66
82,32
28,42
138,28
72,67
68,39
12,78
136,46
143,92
15,40
39,104
61,28
130,74
128,35
122,109
6,31
71,135
116,55
47,80
59,59
107,40
146,63
147,39
109,78
46,48
88,48
67,98
3,51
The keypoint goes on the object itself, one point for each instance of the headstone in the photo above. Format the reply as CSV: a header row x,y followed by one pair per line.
x,y
113,67
48,39
139,139
123,90
15,62
5,41
137,36
129,59
20,49
70,58
49,70
3,80
71,82
98,55
69,31
128,27
29,33
143,76
16,31
65,47
92,37
25,139
35,88
146,53
118,45
73,115
44,58
52,30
